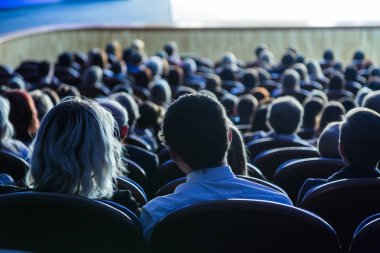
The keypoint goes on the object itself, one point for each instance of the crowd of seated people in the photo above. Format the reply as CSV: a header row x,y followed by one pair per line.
x,y
76,121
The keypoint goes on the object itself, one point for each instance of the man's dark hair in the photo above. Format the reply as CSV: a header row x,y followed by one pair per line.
x,y
196,128
360,137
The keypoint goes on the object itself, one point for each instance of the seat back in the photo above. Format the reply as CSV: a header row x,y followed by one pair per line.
x,y
257,146
268,161
242,226
344,204
124,183
137,174
253,171
13,165
166,173
366,237
137,141
48,222
291,175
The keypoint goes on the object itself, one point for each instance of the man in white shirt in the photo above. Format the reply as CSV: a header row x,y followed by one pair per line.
x,y
197,133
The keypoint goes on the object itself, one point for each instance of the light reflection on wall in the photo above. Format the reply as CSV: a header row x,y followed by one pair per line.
x,y
312,13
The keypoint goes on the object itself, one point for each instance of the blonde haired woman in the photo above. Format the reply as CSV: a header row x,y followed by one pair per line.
x,y
75,151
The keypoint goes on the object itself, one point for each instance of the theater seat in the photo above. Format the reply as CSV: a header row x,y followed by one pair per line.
x,y
13,165
137,174
366,237
137,141
137,191
268,161
257,146
344,204
49,222
242,226
291,175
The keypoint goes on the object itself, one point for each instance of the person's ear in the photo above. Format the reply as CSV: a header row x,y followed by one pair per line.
x,y
124,132
230,136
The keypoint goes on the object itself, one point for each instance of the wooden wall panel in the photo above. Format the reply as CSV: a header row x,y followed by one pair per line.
x,y
208,42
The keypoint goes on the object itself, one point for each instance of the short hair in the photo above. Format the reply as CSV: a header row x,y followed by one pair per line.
x,y
149,114
331,112
290,80
119,113
92,75
362,93
229,103
250,79
129,104
160,92
196,128
247,106
328,54
328,142
285,115
43,103
76,151
336,82
312,107
360,137
372,101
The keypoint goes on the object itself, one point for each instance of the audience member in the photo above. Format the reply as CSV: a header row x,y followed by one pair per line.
x,y
358,146
196,131
284,109
7,143
328,142
23,115
372,101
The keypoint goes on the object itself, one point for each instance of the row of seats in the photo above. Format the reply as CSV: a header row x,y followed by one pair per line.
x,y
49,222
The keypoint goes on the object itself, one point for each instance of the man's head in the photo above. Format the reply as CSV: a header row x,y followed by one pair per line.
x,y
285,115
372,101
196,131
360,137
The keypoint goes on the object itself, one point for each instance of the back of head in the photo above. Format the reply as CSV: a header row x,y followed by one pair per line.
x,y
302,71
250,79
129,104
332,112
6,128
92,75
75,150
229,103
23,114
160,92
189,66
328,142
196,128
155,64
372,101
290,80
288,59
358,55
65,59
149,115
319,94
114,48
213,83
360,138
43,103
285,115
119,113
312,108
97,57
336,82
44,68
65,90
259,48
328,55
170,48
350,73
247,106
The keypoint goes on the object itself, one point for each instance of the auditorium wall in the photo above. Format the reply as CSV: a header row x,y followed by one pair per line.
x,y
46,43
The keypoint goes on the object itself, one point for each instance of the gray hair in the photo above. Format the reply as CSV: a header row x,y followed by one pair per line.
x,y
6,127
76,151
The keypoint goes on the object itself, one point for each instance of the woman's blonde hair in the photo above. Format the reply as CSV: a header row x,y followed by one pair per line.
x,y
76,150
